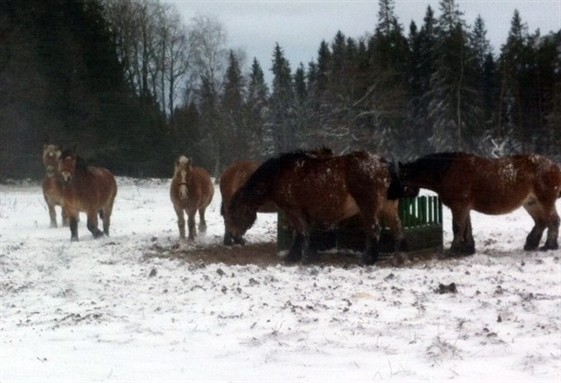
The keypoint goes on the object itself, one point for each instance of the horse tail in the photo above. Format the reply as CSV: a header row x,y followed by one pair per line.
x,y
222,208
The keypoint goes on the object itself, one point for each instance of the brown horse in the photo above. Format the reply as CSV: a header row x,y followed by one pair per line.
x,y
52,184
87,189
491,186
231,180
317,191
191,191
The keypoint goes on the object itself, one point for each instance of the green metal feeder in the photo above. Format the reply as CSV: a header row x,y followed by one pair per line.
x,y
421,218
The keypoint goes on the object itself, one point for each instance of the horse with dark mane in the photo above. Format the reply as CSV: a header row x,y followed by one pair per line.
x,y
491,186
52,184
234,177
317,191
191,190
87,189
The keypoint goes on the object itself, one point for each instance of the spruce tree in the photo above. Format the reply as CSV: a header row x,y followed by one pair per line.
x,y
453,108
282,103
257,106
235,132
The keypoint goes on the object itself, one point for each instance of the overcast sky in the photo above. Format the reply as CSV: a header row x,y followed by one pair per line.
x,y
300,26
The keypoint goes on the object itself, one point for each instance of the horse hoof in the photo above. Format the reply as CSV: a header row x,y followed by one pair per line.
x,y
292,258
369,260
74,239
239,241
530,247
228,241
547,247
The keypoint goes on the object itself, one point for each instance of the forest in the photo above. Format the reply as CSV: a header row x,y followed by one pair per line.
x,y
133,85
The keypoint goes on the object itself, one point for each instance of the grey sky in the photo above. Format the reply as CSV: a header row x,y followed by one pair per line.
x,y
300,26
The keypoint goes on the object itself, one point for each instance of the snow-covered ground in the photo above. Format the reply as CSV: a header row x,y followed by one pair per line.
x,y
110,310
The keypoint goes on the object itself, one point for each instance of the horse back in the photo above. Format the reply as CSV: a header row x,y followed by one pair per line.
x,y
331,189
500,185
370,174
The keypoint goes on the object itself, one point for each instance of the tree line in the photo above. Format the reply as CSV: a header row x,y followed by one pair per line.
x,y
134,85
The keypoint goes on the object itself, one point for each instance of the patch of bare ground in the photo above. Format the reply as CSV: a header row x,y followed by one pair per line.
x,y
267,254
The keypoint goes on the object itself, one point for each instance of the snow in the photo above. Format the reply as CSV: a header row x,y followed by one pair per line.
x,y
109,310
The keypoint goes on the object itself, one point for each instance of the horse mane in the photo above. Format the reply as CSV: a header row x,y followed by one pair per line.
x,y
259,187
434,165
81,164
396,188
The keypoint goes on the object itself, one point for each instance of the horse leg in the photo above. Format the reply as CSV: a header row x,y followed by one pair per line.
x,y
372,251
228,239
202,221
460,222
106,216
180,221
52,213
92,224
296,248
370,211
73,223
534,208
64,217
301,237
551,243
469,242
191,225
390,216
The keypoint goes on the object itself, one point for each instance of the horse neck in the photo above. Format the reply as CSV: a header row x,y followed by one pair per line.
x,y
83,178
423,175
255,196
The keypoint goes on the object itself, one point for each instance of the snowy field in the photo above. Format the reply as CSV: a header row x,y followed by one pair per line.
x,y
113,310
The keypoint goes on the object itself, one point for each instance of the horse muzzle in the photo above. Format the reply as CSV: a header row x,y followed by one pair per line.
x,y
66,176
50,170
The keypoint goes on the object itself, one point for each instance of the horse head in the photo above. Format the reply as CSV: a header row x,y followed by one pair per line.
x,y
69,163
238,218
182,173
51,154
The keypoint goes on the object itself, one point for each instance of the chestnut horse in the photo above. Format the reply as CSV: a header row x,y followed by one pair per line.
x,y
52,184
317,191
191,190
231,180
87,189
491,186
